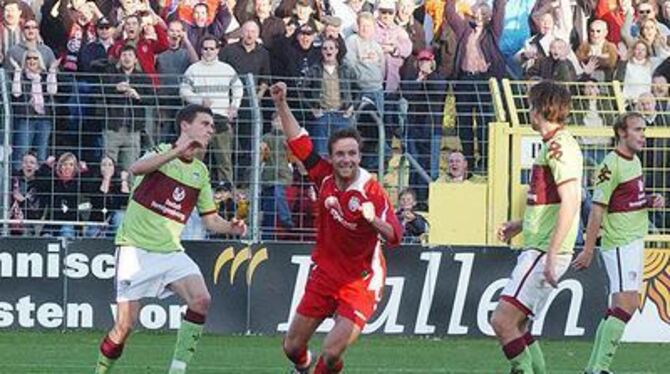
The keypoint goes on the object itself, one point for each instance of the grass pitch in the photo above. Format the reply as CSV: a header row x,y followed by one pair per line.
x,y
76,352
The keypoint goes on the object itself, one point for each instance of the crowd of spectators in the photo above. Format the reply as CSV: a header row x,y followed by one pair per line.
x,y
98,82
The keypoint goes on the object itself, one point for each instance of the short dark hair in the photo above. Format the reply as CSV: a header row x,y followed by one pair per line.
x,y
30,152
551,100
136,16
344,133
209,37
201,4
407,191
128,47
622,120
188,114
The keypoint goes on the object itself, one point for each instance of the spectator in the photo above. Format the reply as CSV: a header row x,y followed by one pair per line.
x,y
126,93
414,29
649,33
304,14
556,66
415,226
594,111
635,74
331,93
124,8
366,56
209,82
646,105
477,59
33,90
598,52
347,11
25,200
425,90
93,62
59,188
276,175
69,26
31,40
272,27
10,29
394,42
107,191
202,26
171,64
645,9
247,57
457,169
660,90
148,39
613,14
332,30
292,57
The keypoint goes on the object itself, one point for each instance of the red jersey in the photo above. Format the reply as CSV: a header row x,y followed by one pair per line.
x,y
146,51
347,246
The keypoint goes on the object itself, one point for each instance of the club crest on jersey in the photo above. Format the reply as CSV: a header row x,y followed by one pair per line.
x,y
178,194
196,175
354,204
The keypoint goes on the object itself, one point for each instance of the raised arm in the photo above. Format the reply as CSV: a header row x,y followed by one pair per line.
x,y
290,125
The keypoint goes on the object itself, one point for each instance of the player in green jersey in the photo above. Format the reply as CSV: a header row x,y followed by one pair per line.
x,y
620,209
549,229
169,182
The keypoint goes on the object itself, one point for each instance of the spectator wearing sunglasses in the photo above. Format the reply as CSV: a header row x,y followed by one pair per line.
x,y
31,40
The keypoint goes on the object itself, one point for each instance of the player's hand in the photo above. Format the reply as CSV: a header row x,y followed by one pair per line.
x,y
583,260
278,92
656,200
506,231
238,227
368,211
187,149
549,271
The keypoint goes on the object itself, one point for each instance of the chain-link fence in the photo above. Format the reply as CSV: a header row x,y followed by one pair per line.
x,y
68,150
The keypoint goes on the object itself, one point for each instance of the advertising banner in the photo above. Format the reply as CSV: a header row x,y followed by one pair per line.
x,y
440,291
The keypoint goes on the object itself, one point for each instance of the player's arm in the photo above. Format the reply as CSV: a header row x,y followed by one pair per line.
x,y
289,124
570,194
596,216
216,223
385,222
153,162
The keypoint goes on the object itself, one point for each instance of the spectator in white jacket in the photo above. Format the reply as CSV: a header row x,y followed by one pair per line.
x,y
215,84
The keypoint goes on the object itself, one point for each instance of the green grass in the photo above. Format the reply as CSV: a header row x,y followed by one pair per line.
x,y
76,352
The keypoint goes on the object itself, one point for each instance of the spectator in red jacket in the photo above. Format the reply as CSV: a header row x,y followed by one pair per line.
x,y
149,37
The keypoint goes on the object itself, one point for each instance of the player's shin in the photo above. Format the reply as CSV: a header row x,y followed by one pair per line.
x,y
596,344
536,355
301,358
109,353
613,329
518,356
188,336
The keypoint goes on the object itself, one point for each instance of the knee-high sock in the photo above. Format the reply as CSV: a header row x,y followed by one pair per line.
x,y
188,336
596,344
613,328
109,353
322,368
533,346
518,356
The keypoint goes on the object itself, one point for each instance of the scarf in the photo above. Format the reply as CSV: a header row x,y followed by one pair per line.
x,y
36,93
79,36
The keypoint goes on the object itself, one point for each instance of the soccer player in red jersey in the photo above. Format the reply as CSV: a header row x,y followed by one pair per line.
x,y
354,217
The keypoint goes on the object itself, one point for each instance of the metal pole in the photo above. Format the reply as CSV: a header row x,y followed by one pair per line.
x,y
5,152
254,185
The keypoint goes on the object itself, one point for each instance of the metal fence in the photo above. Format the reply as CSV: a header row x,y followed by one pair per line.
x,y
94,118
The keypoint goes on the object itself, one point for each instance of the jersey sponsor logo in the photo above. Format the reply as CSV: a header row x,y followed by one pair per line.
x,y
178,194
628,196
554,151
333,207
166,196
603,175
354,204
543,189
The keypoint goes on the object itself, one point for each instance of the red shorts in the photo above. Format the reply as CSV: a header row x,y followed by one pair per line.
x,y
355,301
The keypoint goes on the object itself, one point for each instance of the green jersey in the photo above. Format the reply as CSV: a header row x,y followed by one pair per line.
x,y
559,161
619,186
162,201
